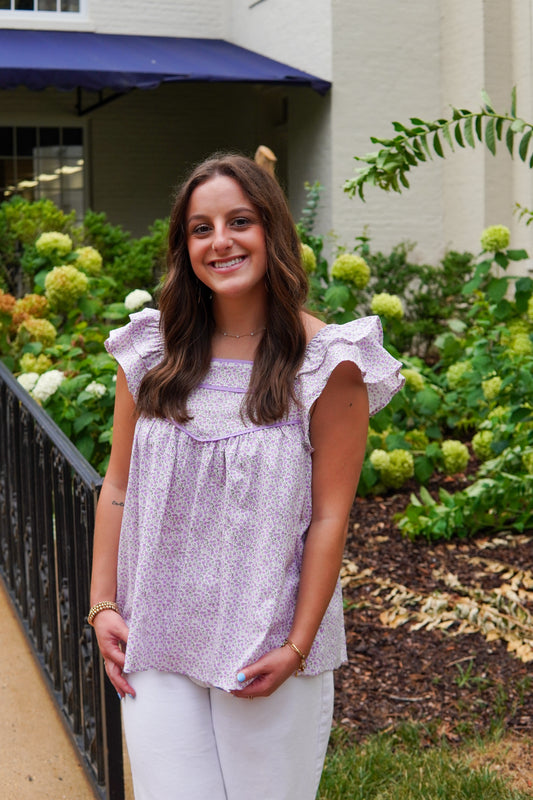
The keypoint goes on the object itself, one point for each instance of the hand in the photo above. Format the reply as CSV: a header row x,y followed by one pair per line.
x,y
112,634
269,672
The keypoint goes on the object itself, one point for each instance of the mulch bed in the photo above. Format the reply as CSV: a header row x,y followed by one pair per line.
x,y
456,686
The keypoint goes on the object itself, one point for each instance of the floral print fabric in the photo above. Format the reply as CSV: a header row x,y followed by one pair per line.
x,y
217,509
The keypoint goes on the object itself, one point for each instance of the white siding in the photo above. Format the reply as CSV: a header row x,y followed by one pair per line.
x,y
200,18
385,67
197,18
296,32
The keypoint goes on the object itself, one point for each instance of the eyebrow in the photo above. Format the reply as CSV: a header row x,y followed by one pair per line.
x,y
238,210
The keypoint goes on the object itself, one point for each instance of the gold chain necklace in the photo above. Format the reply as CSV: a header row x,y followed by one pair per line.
x,y
242,335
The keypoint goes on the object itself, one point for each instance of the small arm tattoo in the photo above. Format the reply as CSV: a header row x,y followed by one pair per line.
x,y
114,503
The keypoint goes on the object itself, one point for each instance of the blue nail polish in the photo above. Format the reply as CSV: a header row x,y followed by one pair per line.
x,y
241,677
130,695
119,696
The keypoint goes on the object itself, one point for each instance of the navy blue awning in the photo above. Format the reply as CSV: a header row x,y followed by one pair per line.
x,y
97,61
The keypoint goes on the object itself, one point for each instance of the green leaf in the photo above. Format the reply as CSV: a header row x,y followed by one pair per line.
x,y
457,325
513,101
437,146
484,267
486,101
521,300
500,446
398,126
447,135
490,138
501,259
434,452
336,296
459,136
404,180
417,149
497,289
427,401
434,432
88,306
469,132
40,278
509,139
524,144
426,498
82,421
471,285
478,126
86,446
518,125
396,441
33,347
499,127
425,145
524,285
369,476
520,414
9,361
504,310
516,255
423,469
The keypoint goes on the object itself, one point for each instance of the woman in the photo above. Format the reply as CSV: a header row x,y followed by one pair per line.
x,y
239,434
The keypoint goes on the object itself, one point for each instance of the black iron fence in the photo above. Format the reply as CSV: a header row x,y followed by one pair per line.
x,y
48,495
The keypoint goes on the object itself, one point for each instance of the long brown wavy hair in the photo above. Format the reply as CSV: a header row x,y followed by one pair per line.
x,y
187,323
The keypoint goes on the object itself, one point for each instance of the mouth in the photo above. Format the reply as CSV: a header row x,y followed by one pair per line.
x,y
227,264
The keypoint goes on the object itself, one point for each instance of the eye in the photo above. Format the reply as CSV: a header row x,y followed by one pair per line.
x,y
241,222
201,229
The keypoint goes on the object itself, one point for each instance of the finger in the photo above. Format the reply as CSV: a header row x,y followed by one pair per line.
x,y
112,652
118,679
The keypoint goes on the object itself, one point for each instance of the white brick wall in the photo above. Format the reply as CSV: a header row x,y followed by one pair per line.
x,y
199,18
296,32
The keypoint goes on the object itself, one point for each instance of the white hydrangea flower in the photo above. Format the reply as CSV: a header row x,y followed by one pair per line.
x,y
48,383
96,389
28,380
136,299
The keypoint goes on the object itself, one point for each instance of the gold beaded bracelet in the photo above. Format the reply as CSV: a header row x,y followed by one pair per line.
x,y
303,657
104,605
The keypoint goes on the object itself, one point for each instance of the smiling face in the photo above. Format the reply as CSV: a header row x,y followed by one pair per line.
x,y
226,239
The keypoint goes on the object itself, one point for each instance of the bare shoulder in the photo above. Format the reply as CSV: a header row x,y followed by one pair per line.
x,y
311,324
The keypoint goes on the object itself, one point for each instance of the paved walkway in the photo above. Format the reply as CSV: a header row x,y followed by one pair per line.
x,y
37,758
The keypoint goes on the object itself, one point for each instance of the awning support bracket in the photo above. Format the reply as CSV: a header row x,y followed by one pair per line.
x,y
102,100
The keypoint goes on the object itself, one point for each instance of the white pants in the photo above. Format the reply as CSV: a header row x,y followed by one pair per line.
x,y
189,741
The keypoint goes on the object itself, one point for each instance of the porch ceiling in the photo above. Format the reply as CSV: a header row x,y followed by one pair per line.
x,y
98,61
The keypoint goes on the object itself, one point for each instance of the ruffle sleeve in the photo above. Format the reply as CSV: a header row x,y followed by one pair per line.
x,y
137,346
361,342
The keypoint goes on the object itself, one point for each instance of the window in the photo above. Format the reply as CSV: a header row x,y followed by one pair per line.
x,y
46,162
54,6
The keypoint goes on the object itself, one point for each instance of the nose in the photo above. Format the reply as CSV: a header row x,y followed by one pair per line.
x,y
221,239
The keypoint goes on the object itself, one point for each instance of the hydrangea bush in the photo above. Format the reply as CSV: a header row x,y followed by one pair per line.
x,y
463,330
64,300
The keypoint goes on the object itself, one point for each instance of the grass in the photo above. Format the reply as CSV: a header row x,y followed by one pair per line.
x,y
397,767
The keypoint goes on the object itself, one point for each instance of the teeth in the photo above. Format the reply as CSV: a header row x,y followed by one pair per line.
x,y
231,263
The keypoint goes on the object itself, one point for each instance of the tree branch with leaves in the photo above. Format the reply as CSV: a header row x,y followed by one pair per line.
x,y
417,142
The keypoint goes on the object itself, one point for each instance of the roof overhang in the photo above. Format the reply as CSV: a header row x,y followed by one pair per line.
x,y
98,61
